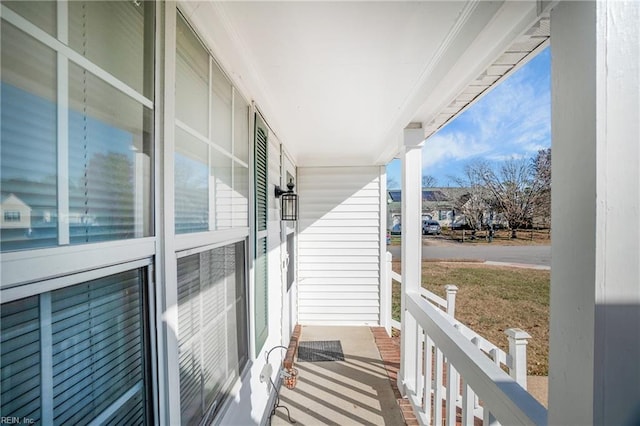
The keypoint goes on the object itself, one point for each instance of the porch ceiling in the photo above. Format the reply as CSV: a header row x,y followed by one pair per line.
x,y
338,81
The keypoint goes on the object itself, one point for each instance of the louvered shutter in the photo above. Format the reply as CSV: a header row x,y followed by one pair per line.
x,y
261,301
261,147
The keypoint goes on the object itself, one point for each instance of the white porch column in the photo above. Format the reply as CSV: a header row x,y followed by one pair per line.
x,y
595,282
411,248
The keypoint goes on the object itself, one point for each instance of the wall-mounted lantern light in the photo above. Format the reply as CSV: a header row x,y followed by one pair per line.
x,y
288,202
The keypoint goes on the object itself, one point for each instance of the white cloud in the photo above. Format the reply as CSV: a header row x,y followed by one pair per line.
x,y
451,147
505,157
510,122
513,114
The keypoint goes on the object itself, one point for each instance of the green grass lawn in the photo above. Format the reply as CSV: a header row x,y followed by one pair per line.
x,y
492,299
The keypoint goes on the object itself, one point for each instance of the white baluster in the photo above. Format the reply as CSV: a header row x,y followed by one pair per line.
x,y
437,392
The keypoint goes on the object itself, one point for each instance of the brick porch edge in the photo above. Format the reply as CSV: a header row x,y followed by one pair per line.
x,y
389,348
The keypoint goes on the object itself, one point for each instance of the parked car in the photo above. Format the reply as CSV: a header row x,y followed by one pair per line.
x,y
431,227
461,224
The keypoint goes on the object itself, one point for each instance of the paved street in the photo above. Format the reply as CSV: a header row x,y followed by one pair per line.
x,y
530,255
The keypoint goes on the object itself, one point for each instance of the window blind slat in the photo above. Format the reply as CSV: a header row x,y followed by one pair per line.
x,y
100,321
97,345
211,180
105,389
191,184
66,299
20,359
104,146
261,167
190,383
76,371
203,280
131,414
16,351
92,37
28,141
84,339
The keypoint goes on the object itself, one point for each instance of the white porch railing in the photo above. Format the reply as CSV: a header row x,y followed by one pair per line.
x,y
455,370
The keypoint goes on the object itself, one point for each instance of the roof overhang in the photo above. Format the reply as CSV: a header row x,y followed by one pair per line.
x,y
339,81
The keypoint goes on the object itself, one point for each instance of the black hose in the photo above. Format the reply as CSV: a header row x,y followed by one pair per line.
x,y
277,404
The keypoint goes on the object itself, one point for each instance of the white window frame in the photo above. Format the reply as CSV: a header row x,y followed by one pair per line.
x,y
214,245
39,271
43,291
173,245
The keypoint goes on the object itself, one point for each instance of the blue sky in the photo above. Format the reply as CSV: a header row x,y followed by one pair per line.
x,y
511,121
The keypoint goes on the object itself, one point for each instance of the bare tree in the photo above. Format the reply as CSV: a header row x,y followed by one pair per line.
x,y
542,166
392,183
514,188
471,198
429,181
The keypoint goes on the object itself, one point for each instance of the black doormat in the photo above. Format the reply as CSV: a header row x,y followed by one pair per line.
x,y
321,350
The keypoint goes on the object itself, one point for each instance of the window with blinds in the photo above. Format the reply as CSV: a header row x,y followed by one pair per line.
x,y
212,140
77,355
212,319
75,132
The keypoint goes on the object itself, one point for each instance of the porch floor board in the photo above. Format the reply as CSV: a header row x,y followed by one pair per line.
x,y
355,391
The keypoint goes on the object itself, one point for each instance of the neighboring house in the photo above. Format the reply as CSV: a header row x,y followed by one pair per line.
x,y
441,204
171,124
14,213
444,204
435,205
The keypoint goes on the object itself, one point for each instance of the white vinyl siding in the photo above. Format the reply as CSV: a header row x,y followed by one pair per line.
x,y
339,245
